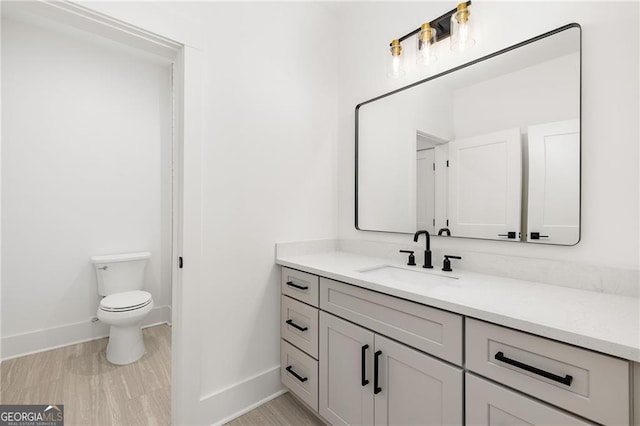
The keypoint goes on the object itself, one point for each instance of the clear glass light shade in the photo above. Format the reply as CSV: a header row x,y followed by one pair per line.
x,y
395,63
425,49
461,30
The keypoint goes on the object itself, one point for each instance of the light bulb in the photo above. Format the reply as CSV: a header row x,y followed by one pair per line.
x,y
396,63
425,40
396,66
464,38
461,35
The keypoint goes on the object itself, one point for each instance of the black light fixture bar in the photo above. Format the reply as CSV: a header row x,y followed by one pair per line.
x,y
441,24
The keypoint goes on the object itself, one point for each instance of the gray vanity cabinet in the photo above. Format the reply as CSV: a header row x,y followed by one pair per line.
x,y
361,357
489,404
368,379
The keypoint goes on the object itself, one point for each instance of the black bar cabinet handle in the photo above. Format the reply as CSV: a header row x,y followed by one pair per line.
x,y
537,236
376,361
296,375
294,325
365,382
566,380
292,284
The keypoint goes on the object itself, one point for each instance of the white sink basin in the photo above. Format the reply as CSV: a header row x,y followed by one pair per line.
x,y
417,276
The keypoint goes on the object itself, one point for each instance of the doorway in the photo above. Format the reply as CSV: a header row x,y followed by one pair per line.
x,y
87,170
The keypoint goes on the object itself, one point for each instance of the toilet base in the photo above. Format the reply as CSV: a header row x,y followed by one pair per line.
x,y
125,344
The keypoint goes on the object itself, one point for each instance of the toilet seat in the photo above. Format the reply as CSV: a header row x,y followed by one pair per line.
x,y
126,301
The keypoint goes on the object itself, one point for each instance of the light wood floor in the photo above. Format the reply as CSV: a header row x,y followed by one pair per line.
x,y
283,410
93,391
96,392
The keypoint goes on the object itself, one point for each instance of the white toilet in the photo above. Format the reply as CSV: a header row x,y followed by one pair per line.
x,y
120,280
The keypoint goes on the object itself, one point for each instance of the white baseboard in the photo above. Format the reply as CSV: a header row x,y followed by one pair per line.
x,y
69,334
226,404
251,407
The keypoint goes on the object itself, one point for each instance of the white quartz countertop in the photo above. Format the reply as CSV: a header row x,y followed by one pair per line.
x,y
602,322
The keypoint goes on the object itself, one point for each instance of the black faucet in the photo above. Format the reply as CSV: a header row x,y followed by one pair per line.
x,y
427,252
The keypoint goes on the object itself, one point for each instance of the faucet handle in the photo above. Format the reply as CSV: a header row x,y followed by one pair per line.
x,y
446,264
412,258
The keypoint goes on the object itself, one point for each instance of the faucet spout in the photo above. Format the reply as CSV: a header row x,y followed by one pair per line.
x,y
426,234
427,251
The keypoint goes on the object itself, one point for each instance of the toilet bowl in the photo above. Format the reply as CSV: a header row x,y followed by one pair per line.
x,y
124,312
125,305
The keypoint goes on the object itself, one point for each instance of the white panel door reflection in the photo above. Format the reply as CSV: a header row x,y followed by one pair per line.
x,y
554,183
485,184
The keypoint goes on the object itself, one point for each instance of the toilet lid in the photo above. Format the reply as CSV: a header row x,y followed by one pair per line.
x,y
125,301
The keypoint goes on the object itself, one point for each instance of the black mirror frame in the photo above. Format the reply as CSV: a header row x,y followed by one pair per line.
x,y
452,70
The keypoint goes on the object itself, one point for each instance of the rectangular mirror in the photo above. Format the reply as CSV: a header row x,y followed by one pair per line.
x,y
490,149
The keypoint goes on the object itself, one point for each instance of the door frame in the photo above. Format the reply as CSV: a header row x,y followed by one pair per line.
x,y
179,42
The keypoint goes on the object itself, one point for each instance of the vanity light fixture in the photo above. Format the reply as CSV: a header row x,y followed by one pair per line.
x,y
454,23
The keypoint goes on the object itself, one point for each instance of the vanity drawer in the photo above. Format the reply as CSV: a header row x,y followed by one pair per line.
x,y
587,383
300,285
299,325
431,330
488,404
299,373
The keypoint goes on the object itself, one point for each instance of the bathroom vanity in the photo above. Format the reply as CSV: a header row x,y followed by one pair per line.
x,y
368,341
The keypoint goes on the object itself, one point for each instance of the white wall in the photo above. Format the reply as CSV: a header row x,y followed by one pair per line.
x,y
610,184
542,93
85,171
269,170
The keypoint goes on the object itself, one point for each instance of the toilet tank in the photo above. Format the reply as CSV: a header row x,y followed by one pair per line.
x,y
117,273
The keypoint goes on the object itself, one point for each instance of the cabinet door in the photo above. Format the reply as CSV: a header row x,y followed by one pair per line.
x,y
554,183
343,399
489,404
485,185
415,389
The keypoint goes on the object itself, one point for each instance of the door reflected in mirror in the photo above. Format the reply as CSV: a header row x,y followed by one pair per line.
x,y
488,150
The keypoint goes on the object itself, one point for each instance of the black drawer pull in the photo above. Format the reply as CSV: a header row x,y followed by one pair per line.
x,y
537,236
294,325
566,380
302,379
376,361
365,382
299,287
